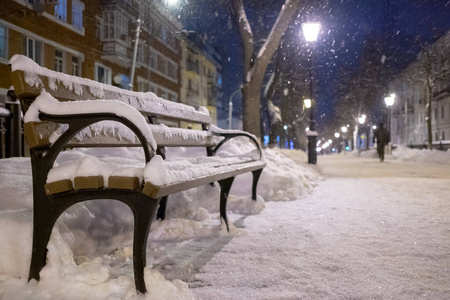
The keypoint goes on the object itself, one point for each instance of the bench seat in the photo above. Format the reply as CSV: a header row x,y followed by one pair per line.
x,y
94,173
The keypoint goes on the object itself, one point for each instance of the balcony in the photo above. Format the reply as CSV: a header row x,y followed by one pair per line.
x,y
115,52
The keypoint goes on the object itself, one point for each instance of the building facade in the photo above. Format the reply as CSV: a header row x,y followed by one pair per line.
x,y
427,77
201,75
95,40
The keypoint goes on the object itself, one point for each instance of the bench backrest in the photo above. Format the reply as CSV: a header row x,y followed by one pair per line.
x,y
29,79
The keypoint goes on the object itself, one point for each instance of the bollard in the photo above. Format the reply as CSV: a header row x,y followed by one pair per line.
x,y
4,114
13,136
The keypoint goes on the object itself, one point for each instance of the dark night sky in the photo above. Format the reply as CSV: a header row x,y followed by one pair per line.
x,y
346,24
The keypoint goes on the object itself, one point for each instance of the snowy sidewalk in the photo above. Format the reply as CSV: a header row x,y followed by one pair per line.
x,y
369,230
378,231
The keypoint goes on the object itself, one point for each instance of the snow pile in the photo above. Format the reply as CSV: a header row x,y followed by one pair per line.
x,y
286,175
90,252
404,153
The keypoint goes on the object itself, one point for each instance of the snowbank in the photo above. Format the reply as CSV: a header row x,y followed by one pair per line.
x,y
90,249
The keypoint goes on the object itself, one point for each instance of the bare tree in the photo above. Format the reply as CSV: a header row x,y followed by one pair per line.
x,y
255,64
433,69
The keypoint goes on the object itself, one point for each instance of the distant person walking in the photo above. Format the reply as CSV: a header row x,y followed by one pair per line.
x,y
383,138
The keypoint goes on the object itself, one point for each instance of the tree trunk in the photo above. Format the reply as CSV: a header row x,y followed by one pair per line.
x,y
430,134
255,65
251,92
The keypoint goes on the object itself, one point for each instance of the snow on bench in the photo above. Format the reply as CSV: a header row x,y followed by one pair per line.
x,y
63,111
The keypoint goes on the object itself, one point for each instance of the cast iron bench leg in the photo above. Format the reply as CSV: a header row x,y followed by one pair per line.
x,y
225,186
161,214
144,211
256,175
42,229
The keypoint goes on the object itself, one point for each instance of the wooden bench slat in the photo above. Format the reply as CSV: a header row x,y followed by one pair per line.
x,y
37,134
156,191
144,102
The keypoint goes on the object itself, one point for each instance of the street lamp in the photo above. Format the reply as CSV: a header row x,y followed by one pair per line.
x,y
307,103
311,32
389,100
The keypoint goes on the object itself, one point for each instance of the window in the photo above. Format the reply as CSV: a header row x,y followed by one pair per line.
x,y
161,64
102,74
3,42
115,26
77,14
143,85
61,10
75,66
32,49
443,135
442,112
152,59
172,70
59,61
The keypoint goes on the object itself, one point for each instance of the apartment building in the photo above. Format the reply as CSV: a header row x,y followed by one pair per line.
x,y
201,67
427,77
94,39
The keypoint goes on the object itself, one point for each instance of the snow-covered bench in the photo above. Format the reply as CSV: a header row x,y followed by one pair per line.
x,y
63,111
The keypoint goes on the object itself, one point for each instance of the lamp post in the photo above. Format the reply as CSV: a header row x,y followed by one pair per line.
x,y
311,32
389,100
361,121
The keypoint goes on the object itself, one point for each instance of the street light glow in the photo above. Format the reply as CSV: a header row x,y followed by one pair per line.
x,y
172,2
307,103
311,31
336,134
389,100
344,129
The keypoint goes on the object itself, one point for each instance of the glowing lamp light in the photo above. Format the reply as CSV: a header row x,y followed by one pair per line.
x,y
311,31
390,100
344,129
172,2
336,134
308,103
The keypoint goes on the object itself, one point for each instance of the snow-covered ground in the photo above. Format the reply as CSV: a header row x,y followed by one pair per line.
x,y
349,228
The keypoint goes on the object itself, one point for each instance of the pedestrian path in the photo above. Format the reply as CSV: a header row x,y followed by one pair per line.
x,y
370,230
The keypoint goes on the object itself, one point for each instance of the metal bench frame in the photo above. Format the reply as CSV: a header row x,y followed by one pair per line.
x,y
48,208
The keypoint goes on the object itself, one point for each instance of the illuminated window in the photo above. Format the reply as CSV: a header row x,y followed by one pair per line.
x,y
77,14
3,42
61,10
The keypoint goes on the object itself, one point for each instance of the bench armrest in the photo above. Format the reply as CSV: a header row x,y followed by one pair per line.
x,y
79,115
229,134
